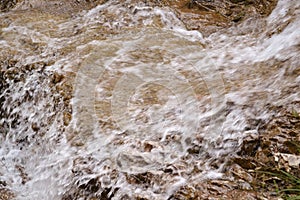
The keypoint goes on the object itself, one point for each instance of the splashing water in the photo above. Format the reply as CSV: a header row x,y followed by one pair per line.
x,y
91,102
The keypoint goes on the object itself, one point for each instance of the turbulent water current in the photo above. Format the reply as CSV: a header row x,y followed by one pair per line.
x,y
92,102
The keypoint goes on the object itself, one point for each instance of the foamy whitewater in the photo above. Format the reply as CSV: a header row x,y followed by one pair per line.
x,y
144,95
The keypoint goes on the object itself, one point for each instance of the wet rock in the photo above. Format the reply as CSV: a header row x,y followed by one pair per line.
x,y
237,1
276,147
90,191
244,185
265,158
185,193
108,194
56,77
6,5
23,174
194,149
148,146
247,163
250,145
241,173
65,88
67,117
216,189
92,185
6,194
142,178
35,127
68,7
99,187
210,16
240,194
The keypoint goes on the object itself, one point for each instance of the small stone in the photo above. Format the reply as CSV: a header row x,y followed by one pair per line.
x,y
35,127
148,147
244,185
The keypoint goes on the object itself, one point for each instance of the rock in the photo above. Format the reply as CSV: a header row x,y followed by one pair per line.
x,y
275,148
250,146
245,162
142,178
148,146
6,194
66,7
292,160
265,158
240,194
237,1
56,78
241,173
35,127
293,147
6,5
210,16
244,185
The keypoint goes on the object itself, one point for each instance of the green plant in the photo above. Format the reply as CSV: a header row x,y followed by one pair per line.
x,y
292,190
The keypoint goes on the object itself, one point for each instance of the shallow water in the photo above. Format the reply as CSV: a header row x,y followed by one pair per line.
x,y
140,94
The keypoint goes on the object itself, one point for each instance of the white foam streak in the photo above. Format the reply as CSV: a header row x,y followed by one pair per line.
x,y
115,70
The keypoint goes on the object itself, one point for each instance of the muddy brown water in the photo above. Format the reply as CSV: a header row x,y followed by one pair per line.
x,y
126,99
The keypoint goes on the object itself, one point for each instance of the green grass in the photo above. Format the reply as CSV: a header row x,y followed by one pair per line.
x,y
292,183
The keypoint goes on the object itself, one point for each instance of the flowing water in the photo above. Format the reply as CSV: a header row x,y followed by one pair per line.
x,y
91,100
